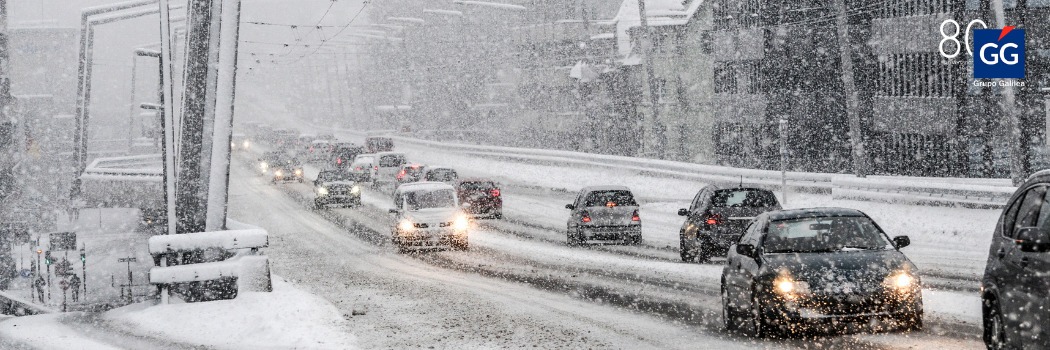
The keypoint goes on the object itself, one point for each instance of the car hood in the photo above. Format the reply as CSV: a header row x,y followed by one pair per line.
x,y
858,271
432,215
338,183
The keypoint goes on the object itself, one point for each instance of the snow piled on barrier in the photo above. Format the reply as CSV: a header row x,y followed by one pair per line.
x,y
287,318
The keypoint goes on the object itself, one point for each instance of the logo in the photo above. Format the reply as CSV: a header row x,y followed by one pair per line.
x,y
1000,53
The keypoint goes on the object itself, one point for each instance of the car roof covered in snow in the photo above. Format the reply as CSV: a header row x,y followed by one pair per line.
x,y
390,154
476,179
424,186
791,214
605,188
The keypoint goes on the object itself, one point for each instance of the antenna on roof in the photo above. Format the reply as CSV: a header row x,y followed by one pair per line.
x,y
741,181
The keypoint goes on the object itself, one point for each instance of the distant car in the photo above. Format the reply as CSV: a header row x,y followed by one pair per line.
x,y
409,173
363,165
287,170
803,268
387,168
318,150
606,214
428,215
1016,284
440,174
717,218
240,142
326,137
343,153
336,187
480,197
379,144
269,159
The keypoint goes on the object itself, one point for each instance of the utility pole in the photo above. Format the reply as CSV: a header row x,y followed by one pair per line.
x,y
7,118
649,139
1018,153
856,135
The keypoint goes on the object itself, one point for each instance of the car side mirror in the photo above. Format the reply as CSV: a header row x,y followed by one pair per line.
x,y
1031,240
570,206
683,212
901,241
747,250
394,211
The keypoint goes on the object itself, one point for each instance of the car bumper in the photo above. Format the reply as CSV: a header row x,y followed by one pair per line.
x,y
822,311
338,199
428,237
610,233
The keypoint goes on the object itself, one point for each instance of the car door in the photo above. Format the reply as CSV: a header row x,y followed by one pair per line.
x,y
1016,295
1037,274
740,269
573,214
696,210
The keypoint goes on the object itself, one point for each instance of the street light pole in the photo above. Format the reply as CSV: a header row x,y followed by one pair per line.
x,y
649,123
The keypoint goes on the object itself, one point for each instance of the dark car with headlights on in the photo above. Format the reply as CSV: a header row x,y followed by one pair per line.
x,y
818,268
287,170
605,214
336,187
717,217
428,216
1015,289
480,198
269,159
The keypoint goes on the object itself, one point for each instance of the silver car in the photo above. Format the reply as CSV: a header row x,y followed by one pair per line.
x,y
606,214
428,216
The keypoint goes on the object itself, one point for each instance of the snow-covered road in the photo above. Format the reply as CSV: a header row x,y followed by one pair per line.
x,y
528,259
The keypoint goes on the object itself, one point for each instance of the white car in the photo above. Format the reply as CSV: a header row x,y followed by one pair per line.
x,y
387,166
428,216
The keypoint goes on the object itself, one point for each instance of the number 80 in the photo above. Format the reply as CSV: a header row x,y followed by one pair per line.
x,y
954,37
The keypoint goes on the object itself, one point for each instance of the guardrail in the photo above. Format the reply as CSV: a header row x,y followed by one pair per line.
x,y
240,265
965,192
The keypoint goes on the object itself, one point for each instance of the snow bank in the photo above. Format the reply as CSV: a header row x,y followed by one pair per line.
x,y
287,318
233,239
47,332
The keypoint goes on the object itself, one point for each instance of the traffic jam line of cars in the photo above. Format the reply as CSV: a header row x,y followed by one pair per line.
x,y
786,271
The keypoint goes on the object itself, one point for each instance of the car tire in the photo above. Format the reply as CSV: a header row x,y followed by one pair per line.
x,y
995,335
498,215
759,326
688,254
635,240
911,322
729,318
573,239
703,255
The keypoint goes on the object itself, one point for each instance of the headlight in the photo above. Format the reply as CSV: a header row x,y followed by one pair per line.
x,y
298,172
406,225
322,191
263,165
355,189
246,144
901,281
788,287
278,173
461,223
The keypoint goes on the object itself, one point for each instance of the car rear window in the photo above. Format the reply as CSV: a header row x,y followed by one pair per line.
x,y
364,160
441,175
743,197
603,198
424,199
391,160
477,185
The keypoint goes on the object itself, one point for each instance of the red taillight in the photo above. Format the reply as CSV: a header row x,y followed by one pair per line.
x,y
635,216
376,167
713,220
401,175
339,160
586,219
495,192
357,168
610,204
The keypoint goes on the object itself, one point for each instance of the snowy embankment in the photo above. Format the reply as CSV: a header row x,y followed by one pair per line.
x,y
285,318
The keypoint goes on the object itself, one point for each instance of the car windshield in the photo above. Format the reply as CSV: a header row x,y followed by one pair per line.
x,y
333,176
477,185
610,198
391,160
824,234
428,199
743,197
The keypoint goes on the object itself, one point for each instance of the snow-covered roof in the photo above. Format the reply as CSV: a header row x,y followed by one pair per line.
x,y
658,12
605,188
424,186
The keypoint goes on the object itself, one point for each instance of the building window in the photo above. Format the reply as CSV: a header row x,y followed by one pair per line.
x,y
725,79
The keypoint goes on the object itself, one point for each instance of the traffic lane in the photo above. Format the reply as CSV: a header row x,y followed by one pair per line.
x,y
671,290
410,302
